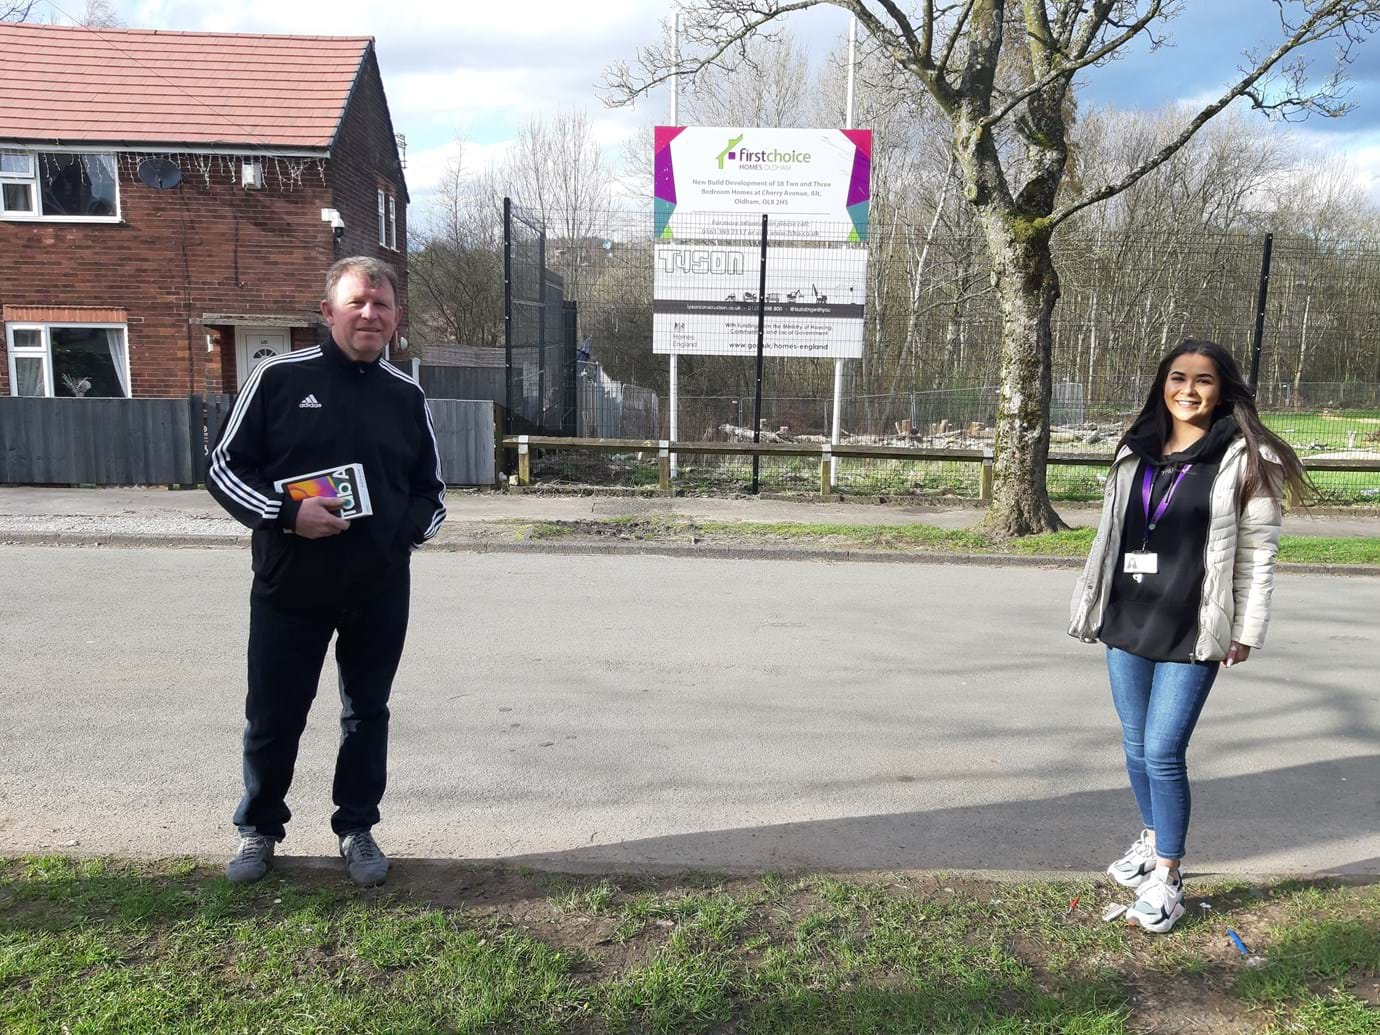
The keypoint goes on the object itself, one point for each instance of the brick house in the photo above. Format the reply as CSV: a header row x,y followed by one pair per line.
x,y
170,202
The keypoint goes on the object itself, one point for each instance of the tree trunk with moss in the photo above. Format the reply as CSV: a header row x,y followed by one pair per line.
x,y
1027,287
1017,229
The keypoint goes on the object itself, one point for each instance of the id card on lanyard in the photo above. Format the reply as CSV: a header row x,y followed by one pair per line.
x,y
1143,562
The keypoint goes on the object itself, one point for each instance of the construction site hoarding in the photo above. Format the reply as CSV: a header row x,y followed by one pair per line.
x,y
715,183
706,300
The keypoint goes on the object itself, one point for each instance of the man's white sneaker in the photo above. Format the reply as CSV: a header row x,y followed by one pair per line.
x,y
1134,868
251,859
1160,902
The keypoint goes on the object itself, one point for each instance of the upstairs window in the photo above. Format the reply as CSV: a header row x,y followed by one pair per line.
x,y
388,219
58,185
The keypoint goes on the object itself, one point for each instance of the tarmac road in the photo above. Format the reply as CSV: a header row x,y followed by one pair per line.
x,y
642,712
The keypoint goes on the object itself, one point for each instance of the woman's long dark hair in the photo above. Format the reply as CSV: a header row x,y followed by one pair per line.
x,y
1237,399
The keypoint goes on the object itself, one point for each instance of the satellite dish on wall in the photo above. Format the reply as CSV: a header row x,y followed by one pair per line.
x,y
160,173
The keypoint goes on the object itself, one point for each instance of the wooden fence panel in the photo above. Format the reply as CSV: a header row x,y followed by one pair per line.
x,y
96,442
165,441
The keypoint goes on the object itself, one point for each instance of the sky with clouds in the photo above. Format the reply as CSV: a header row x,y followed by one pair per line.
x,y
480,68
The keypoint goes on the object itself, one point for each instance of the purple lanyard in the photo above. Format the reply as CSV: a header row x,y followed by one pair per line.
x,y
1145,485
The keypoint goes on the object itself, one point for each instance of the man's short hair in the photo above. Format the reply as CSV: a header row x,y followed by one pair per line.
x,y
375,271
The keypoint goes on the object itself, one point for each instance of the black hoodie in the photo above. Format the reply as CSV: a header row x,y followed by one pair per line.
x,y
1157,618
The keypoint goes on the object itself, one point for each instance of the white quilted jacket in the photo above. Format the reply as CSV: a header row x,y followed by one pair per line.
x,y
1240,564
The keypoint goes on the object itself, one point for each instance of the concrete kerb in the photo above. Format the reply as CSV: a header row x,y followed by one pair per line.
x,y
653,549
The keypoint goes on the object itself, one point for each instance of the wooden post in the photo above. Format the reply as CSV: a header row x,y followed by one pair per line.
x,y
524,462
826,470
986,477
664,464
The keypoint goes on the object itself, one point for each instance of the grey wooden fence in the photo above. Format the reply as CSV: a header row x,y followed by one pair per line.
x,y
463,382
465,435
465,438
100,441
164,441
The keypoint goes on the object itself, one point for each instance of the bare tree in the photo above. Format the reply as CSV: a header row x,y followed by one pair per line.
x,y
456,266
771,89
1002,72
558,170
97,14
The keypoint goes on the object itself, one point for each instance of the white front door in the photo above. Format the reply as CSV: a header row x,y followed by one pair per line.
x,y
254,346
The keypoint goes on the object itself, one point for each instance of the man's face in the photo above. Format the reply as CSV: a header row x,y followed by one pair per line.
x,y
361,316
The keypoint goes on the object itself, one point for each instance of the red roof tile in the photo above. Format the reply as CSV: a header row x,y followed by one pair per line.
x,y
74,85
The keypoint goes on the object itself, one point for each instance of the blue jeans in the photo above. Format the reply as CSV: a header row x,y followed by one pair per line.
x,y
1158,703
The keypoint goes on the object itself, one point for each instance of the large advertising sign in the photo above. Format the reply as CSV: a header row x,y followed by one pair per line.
x,y
706,301
715,183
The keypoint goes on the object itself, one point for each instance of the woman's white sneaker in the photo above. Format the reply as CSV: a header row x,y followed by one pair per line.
x,y
1134,868
1160,902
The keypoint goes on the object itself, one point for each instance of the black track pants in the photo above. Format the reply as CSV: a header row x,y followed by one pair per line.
x,y
286,651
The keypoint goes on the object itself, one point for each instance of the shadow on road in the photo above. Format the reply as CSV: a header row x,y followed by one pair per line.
x,y
1235,820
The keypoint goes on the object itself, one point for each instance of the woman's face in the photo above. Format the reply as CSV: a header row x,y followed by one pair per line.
x,y
1192,390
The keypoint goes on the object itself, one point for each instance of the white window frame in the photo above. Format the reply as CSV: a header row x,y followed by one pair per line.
x,y
393,222
29,179
383,227
44,350
36,190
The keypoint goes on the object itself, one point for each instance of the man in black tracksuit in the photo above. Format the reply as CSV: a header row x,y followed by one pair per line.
x,y
315,573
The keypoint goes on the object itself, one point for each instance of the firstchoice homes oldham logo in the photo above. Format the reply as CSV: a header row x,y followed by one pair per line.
x,y
773,159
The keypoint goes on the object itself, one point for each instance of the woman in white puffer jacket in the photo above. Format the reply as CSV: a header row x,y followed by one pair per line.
x,y
1178,584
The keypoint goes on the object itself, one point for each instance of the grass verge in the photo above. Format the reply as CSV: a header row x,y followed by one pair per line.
x,y
1356,550
95,945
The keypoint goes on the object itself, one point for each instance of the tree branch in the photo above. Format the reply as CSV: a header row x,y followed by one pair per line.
x,y
1327,19
942,69
1041,39
659,64
17,11
920,49
1081,56
939,89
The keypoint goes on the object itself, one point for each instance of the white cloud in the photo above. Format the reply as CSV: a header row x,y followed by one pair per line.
x,y
487,65
477,69
1358,152
516,21
426,167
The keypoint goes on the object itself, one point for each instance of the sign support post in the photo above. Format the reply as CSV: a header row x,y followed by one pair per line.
x,y
761,330
838,363
674,430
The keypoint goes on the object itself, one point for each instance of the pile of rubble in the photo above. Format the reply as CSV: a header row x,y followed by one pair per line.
x,y
942,434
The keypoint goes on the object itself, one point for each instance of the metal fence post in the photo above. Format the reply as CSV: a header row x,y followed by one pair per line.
x,y
507,319
761,329
1260,298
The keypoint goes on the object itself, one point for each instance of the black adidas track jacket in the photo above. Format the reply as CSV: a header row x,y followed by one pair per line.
x,y
314,409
